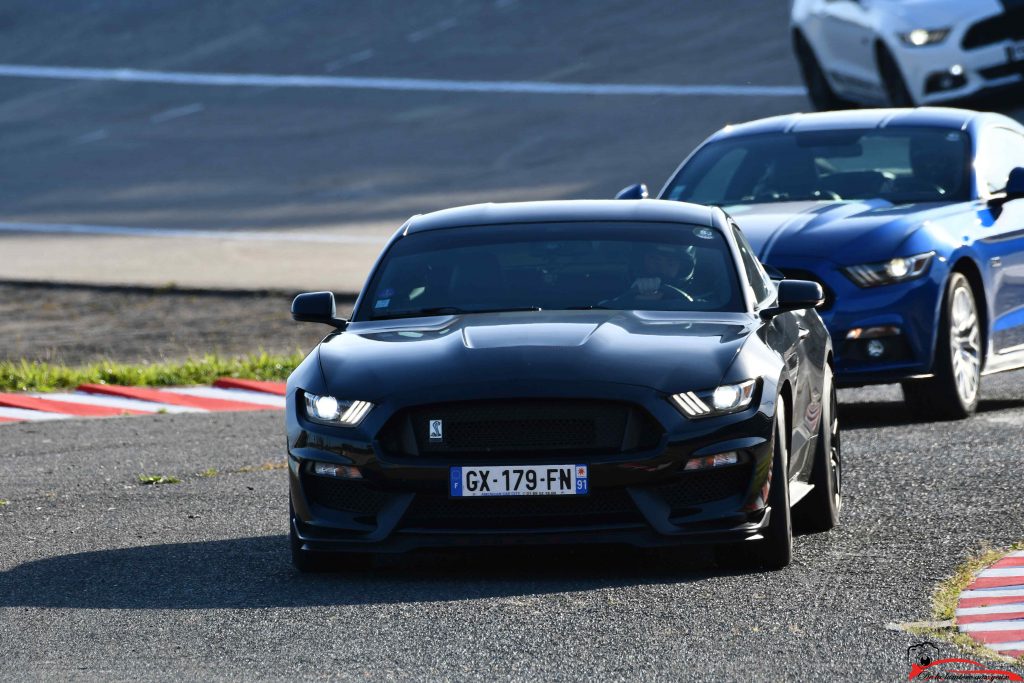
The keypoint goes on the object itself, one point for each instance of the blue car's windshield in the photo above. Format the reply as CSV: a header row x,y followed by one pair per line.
x,y
561,266
901,165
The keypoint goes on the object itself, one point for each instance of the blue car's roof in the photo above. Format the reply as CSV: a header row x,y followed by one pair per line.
x,y
939,117
605,210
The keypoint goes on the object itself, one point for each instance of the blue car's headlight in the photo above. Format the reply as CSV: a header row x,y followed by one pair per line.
x,y
728,398
329,410
889,272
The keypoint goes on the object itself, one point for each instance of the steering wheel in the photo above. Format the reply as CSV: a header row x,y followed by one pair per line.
x,y
666,290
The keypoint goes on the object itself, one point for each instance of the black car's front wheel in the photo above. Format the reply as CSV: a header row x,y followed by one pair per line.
x,y
953,390
774,550
819,510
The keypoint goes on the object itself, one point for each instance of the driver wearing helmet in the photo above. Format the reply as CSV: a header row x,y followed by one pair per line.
x,y
664,271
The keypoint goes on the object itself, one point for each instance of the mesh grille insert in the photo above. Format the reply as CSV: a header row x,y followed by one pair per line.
x,y
432,511
515,426
344,495
695,488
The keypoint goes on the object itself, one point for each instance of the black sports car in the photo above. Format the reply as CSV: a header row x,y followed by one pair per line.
x,y
565,372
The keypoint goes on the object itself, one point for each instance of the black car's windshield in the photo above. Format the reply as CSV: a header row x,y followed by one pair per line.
x,y
901,165
561,266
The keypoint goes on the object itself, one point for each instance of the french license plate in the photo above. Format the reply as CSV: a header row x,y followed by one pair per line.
x,y
1016,52
518,480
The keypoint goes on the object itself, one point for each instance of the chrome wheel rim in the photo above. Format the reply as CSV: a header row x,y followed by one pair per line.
x,y
965,345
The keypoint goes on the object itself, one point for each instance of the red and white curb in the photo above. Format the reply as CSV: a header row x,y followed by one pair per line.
x,y
991,609
109,400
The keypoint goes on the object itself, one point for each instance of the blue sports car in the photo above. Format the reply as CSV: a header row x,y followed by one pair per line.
x,y
911,220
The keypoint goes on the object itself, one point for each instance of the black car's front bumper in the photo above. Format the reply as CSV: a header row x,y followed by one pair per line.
x,y
643,498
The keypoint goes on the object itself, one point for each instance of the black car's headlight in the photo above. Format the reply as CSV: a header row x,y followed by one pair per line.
x,y
920,37
889,272
728,398
332,411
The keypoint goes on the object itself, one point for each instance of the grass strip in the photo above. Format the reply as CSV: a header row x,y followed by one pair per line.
x,y
26,375
947,595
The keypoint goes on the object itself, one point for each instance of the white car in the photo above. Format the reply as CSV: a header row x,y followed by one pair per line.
x,y
907,52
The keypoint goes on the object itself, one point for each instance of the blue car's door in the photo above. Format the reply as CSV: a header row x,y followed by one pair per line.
x,y
1004,246
1001,238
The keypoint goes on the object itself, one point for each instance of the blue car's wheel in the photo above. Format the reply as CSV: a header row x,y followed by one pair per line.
x,y
952,393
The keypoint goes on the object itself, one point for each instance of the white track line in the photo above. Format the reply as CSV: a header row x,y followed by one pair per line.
x,y
118,402
1004,572
243,395
406,84
1007,592
1012,625
176,113
1003,647
236,235
992,609
30,415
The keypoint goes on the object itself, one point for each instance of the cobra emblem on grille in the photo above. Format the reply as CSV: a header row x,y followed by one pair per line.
x,y
436,430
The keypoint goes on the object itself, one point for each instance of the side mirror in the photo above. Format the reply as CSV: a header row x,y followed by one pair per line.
x,y
795,295
1015,184
638,191
316,307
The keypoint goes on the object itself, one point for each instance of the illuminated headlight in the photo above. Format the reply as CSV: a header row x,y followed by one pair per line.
x,y
889,272
329,410
728,398
920,37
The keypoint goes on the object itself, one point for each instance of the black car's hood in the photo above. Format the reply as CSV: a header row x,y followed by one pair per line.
x,y
669,352
844,232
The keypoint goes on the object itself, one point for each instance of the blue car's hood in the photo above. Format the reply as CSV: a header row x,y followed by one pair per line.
x,y
669,352
843,232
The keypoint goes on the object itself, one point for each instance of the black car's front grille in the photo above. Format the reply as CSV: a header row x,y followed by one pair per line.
x,y
432,511
343,494
696,488
541,426
1006,26
796,274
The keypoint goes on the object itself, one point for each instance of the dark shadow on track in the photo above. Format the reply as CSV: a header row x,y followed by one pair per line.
x,y
895,413
256,573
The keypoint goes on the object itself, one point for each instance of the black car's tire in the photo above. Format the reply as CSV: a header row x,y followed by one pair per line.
x,y
818,89
775,549
952,392
819,509
892,78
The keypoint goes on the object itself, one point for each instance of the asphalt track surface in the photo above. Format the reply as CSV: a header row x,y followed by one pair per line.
x,y
326,175
101,578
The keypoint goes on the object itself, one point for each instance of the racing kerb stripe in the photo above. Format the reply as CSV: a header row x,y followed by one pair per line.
x,y
991,609
147,394
54,405
101,400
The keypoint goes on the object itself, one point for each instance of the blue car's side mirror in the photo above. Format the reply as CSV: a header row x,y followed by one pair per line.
x,y
638,191
1015,184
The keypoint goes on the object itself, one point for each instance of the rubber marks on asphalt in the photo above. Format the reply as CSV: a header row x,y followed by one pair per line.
x,y
991,609
104,400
